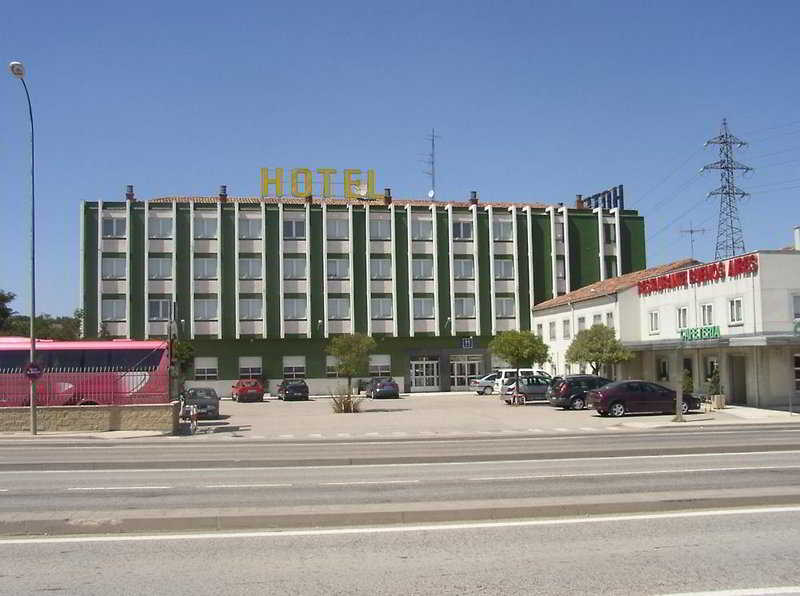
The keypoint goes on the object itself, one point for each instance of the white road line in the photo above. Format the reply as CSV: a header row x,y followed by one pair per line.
x,y
589,429
3,490
245,485
120,488
372,434
405,529
744,592
344,435
561,429
369,482
633,473
535,430
315,436
286,436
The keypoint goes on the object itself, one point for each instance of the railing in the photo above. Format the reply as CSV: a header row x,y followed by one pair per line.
x,y
97,386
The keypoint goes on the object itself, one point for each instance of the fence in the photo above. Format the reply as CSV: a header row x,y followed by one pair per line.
x,y
96,386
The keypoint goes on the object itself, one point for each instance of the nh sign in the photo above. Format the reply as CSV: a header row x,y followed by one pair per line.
x,y
302,182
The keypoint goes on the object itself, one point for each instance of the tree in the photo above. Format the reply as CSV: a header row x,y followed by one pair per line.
x,y
182,359
597,346
6,311
519,348
352,355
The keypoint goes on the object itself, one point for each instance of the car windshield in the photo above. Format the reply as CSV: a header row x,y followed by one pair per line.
x,y
203,393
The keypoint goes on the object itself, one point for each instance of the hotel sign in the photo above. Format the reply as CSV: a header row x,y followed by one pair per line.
x,y
301,181
713,272
700,333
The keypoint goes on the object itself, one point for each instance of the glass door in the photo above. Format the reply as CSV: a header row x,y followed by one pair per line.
x,y
424,375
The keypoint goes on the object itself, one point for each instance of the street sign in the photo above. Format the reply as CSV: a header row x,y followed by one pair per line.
x,y
33,370
467,343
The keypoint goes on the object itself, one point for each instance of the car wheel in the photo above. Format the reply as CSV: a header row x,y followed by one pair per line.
x,y
487,391
684,408
616,409
577,403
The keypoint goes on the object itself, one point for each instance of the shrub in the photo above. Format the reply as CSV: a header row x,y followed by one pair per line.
x,y
343,402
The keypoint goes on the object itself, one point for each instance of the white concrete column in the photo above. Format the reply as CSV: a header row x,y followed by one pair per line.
x,y
492,289
127,269
367,262
436,315
411,281
553,244
601,241
191,270
82,269
99,266
565,215
618,244
236,267
515,248
280,270
452,278
174,265
395,322
146,288
325,267
529,213
219,271
352,272
264,269
475,255
309,320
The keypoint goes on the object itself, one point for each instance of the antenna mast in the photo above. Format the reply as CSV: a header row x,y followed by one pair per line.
x,y
730,240
692,231
430,161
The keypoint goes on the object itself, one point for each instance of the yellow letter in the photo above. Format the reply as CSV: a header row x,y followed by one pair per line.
x,y
326,180
266,181
308,187
371,194
349,182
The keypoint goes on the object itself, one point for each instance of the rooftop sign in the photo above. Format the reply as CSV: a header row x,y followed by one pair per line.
x,y
302,183
713,272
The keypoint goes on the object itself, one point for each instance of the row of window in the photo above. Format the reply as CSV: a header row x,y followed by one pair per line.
x,y
293,367
735,316
566,331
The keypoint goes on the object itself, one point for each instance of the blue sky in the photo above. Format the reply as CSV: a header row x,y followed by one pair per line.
x,y
534,101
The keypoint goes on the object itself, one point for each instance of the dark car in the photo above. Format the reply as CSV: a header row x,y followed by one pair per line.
x,y
531,388
382,387
247,390
291,389
618,398
205,399
570,392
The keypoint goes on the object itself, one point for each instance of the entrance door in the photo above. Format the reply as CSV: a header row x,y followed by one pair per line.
x,y
464,370
424,375
738,380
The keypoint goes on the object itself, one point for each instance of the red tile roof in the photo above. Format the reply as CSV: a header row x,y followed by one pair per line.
x,y
614,284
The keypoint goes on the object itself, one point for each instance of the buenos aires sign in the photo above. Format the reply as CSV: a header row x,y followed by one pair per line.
x,y
301,182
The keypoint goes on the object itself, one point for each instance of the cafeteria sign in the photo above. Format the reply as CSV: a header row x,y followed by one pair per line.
x,y
700,333
302,183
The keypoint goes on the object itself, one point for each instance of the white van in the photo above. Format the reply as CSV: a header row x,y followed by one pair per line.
x,y
504,375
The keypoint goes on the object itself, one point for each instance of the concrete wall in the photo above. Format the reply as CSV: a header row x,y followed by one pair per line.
x,y
153,417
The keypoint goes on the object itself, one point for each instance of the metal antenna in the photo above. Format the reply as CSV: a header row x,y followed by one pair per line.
x,y
730,241
430,161
692,231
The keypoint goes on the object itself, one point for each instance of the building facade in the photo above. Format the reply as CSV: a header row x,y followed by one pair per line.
x,y
259,284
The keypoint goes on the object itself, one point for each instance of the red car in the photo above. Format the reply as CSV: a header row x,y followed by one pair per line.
x,y
247,390
616,399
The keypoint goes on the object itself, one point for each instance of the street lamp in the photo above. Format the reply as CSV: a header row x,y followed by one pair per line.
x,y
18,71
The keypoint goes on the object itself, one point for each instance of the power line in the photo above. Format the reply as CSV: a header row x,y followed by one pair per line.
x,y
668,176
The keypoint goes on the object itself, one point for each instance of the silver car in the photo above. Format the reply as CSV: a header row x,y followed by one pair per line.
x,y
533,388
484,385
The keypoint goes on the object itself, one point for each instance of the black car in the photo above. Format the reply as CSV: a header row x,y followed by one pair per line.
x,y
291,389
570,392
382,387
205,399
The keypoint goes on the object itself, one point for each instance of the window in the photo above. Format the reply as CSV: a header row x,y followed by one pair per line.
x,y
465,306
707,314
249,229
380,365
663,369
421,229
462,230
205,368
503,230
339,308
338,229
503,269
159,309
205,227
338,268
597,320
422,268
294,309
294,268
463,268
380,229
796,301
205,309
159,227
581,324
552,329
423,308
294,367
380,268
609,233
249,367
655,324
294,229
683,317
735,311
381,307
561,272
250,309
540,330
113,309
249,268
611,267
797,372
114,227
559,230
504,305
205,267
610,320
331,367
159,268
113,267
565,334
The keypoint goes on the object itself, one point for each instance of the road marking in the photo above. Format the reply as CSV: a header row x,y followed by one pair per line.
x,y
120,488
400,434
3,490
744,592
372,434
245,485
632,473
589,429
286,436
369,482
315,436
561,429
344,435
566,521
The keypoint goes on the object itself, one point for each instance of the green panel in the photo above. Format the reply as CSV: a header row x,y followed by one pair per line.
x,y
633,244
402,271
136,274
584,250
523,273
484,280
359,273
183,283
90,265
542,258
443,285
315,278
227,272
272,274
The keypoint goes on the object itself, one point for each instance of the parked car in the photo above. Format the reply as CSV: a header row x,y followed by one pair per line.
x,y
531,388
616,399
570,392
291,389
205,399
484,385
504,375
382,387
247,390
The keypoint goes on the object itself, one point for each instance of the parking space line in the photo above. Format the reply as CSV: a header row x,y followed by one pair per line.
x,y
246,485
360,482
561,429
315,436
286,436
83,488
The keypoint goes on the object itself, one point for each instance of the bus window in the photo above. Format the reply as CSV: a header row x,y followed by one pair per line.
x,y
58,359
136,359
95,358
10,359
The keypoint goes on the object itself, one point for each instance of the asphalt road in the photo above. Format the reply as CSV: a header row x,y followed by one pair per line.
x,y
752,550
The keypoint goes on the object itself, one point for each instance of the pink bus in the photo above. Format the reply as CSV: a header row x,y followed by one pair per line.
x,y
85,372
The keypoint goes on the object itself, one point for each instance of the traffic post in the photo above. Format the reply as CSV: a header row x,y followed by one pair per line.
x,y
33,371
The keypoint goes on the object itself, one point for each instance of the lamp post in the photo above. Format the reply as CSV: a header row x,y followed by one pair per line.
x,y
18,71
